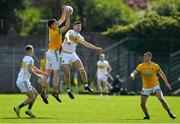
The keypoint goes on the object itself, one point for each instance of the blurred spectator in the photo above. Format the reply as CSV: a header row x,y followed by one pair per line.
x,y
117,86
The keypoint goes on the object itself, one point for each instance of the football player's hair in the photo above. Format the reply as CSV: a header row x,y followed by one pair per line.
x,y
149,54
50,22
76,22
102,54
28,47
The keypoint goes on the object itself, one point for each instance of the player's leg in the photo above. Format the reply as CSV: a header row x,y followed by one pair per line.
x,y
26,88
144,107
45,86
105,87
99,84
29,111
105,84
55,92
78,64
31,99
67,79
159,95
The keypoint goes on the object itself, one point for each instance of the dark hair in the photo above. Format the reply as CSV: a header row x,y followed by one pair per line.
x,y
28,47
149,53
76,22
50,22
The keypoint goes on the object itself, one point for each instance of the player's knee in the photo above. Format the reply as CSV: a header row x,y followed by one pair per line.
x,y
32,99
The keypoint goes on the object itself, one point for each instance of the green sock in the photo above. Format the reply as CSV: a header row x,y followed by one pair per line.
x,y
146,114
43,89
21,105
168,110
30,105
55,89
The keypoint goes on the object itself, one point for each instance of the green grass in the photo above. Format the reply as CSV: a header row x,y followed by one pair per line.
x,y
89,109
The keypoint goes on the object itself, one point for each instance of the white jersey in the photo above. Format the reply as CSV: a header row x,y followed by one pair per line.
x,y
24,74
102,67
71,47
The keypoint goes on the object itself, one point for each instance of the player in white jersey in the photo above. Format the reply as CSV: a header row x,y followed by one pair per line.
x,y
69,56
23,81
103,70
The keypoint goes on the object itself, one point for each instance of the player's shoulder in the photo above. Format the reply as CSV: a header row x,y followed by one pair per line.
x,y
155,64
71,31
98,61
141,64
105,61
28,58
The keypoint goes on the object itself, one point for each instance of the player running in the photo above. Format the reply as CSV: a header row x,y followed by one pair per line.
x,y
23,81
148,71
69,56
103,70
52,55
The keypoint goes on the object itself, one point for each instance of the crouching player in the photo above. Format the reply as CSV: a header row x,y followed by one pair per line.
x,y
23,81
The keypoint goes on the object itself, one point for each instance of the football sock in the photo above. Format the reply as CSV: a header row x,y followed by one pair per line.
x,y
146,114
43,89
21,105
30,105
55,88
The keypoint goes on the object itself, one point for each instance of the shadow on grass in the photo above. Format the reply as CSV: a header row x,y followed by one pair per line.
x,y
134,119
28,118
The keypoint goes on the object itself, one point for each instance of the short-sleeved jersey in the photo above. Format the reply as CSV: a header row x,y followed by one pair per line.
x,y
43,65
148,74
55,39
102,67
71,46
24,74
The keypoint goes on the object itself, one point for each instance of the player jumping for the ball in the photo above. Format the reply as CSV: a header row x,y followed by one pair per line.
x,y
52,55
148,71
69,56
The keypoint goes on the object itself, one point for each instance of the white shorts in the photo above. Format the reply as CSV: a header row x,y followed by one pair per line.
x,y
102,78
148,92
68,58
52,60
24,86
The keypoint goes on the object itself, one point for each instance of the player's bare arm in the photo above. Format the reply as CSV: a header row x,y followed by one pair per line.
x,y
163,76
85,43
109,69
63,16
133,75
39,71
67,24
30,69
90,46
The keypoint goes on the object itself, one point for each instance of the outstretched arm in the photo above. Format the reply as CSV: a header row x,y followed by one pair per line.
x,y
32,71
63,16
163,76
90,46
85,43
67,24
38,71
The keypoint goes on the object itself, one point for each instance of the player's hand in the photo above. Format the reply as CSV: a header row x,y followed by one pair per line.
x,y
99,49
40,76
169,86
132,77
46,74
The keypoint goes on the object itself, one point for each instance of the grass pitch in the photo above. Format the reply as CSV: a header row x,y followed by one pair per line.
x,y
89,109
